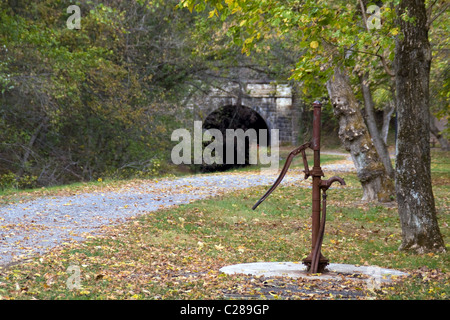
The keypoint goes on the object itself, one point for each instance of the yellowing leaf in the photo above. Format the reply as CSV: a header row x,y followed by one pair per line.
x,y
219,247
314,44
394,31
212,13
189,4
274,295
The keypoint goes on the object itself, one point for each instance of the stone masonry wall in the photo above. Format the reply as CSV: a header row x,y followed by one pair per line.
x,y
272,101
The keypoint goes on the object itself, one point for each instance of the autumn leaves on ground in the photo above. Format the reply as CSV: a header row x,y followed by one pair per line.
x,y
176,253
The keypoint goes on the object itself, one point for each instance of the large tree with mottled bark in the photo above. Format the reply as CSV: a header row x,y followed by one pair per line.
x,y
354,134
416,205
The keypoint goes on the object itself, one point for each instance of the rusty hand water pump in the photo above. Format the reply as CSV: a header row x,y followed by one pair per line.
x,y
315,261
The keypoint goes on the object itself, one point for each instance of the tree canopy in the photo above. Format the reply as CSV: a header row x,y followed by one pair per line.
x,y
358,34
79,104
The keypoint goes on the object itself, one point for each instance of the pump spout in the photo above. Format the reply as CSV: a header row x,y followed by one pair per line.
x,y
325,184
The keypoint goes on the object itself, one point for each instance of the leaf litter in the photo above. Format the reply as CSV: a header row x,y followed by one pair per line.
x,y
33,227
69,224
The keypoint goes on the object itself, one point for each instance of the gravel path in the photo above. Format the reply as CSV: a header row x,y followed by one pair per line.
x,y
32,228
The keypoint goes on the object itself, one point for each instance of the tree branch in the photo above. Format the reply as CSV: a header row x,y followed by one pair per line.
x,y
431,20
385,66
363,11
430,9
382,58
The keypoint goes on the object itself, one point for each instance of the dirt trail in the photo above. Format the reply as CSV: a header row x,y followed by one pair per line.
x,y
31,228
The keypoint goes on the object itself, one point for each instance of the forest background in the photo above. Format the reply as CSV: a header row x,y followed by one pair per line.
x,y
101,101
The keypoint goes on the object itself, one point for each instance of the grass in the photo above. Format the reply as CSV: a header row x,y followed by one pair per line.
x,y
176,253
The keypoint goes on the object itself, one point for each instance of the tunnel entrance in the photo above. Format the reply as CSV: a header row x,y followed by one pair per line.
x,y
234,117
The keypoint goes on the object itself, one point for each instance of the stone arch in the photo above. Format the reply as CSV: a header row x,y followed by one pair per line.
x,y
274,102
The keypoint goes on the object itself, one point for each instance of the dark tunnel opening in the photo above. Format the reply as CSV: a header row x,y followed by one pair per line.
x,y
235,117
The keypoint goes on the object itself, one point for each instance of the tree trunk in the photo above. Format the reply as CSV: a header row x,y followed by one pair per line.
x,y
28,150
372,125
445,145
420,230
376,183
387,115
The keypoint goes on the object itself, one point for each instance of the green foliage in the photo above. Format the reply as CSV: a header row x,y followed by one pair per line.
x,y
325,32
11,181
440,71
79,104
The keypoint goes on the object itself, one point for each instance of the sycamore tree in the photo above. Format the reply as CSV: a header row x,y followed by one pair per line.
x,y
413,174
340,42
310,27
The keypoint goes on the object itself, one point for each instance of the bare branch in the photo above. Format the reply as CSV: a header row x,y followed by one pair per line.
x,y
385,66
382,58
430,9
431,19
363,14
